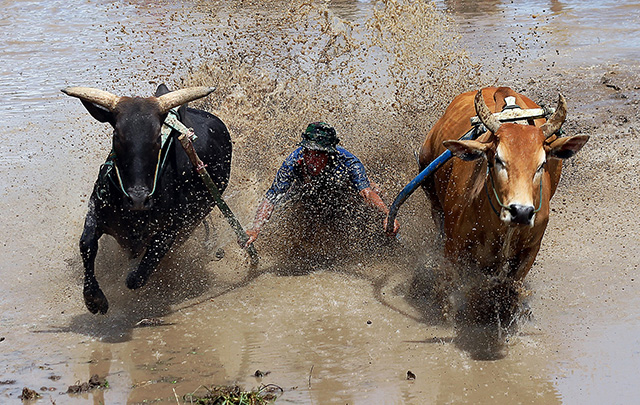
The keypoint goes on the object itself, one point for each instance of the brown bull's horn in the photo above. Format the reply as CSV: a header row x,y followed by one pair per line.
x,y
179,97
486,116
554,123
95,96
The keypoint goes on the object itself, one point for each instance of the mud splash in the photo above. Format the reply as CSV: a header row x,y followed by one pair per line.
x,y
376,82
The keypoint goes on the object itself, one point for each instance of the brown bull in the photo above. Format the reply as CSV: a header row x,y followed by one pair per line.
x,y
492,199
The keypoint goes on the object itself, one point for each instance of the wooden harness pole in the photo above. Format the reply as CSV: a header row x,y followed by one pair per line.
x,y
185,141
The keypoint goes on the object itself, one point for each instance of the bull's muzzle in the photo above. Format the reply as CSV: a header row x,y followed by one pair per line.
x,y
520,214
138,199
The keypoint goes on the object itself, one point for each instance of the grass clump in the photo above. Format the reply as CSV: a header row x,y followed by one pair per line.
x,y
233,395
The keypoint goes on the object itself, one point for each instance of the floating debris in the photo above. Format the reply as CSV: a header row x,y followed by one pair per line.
x,y
29,394
94,382
150,322
260,374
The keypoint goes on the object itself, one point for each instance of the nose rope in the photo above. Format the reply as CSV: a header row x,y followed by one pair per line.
x,y
495,193
155,175
120,181
539,196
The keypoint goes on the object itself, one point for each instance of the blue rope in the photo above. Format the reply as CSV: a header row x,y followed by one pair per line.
x,y
473,133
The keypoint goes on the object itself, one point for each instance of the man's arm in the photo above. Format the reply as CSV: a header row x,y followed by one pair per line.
x,y
360,180
280,186
265,209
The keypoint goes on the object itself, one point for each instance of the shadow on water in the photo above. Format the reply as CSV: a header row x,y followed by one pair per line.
x,y
478,330
348,238
184,274
489,318
487,312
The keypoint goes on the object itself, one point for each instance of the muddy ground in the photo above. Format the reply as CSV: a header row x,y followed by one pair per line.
x,y
327,327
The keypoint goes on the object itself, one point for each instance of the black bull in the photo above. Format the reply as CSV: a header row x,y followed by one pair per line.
x,y
152,197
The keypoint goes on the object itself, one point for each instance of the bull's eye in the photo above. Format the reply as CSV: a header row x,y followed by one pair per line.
x,y
539,171
501,168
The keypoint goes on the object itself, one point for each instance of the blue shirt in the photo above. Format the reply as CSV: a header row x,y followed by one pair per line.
x,y
343,169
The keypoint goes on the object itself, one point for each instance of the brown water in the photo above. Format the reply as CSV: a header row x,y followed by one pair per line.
x,y
341,321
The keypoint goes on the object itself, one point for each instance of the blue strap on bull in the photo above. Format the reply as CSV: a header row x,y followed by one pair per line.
x,y
109,170
473,133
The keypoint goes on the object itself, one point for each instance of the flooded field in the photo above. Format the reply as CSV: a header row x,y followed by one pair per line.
x,y
338,317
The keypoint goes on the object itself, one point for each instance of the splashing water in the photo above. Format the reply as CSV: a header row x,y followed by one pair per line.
x,y
381,84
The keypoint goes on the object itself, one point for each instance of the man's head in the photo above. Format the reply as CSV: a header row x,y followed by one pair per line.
x,y
318,141
320,136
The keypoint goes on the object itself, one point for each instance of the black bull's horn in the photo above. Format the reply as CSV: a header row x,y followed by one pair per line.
x,y
179,97
549,128
95,96
165,102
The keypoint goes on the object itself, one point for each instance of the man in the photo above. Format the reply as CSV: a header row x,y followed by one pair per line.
x,y
318,168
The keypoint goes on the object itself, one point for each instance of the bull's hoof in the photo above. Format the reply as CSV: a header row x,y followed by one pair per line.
x,y
136,280
96,301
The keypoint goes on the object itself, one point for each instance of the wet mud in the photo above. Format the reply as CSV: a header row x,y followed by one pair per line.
x,y
335,312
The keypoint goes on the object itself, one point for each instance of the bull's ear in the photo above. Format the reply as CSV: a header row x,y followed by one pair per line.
x,y
99,103
161,90
564,148
98,112
467,150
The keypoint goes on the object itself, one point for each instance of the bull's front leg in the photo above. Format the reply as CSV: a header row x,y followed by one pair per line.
x,y
158,248
94,298
521,267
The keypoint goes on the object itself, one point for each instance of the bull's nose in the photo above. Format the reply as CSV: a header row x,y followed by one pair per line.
x,y
138,199
521,214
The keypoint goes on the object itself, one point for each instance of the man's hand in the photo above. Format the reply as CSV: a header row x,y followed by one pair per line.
x,y
396,226
262,215
252,235
372,198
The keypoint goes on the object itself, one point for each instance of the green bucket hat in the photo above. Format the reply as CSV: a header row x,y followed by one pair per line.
x,y
320,136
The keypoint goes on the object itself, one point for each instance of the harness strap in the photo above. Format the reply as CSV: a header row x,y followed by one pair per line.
x,y
159,165
172,122
490,202
120,181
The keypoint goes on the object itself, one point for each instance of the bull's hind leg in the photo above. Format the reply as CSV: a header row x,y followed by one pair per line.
x,y
158,248
94,298
209,233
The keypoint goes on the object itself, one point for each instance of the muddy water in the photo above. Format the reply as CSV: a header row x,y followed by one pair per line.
x,y
341,321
